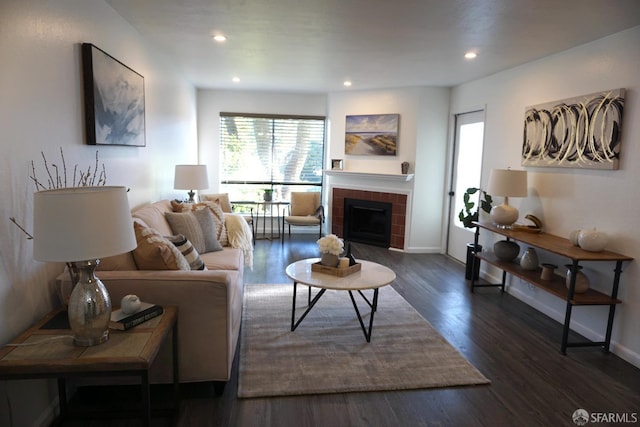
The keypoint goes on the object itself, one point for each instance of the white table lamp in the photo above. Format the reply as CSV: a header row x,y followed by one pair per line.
x,y
79,225
506,183
191,177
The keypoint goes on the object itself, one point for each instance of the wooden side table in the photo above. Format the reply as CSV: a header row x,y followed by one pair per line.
x,y
47,351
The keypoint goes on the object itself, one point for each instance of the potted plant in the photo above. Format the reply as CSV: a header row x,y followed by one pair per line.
x,y
469,214
267,195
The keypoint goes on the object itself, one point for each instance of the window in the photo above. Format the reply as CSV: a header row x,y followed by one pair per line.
x,y
280,153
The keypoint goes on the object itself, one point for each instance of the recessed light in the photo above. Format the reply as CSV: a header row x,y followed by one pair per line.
x,y
236,79
470,55
219,38
347,83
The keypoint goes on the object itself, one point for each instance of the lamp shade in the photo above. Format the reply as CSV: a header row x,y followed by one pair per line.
x,y
81,223
507,183
191,177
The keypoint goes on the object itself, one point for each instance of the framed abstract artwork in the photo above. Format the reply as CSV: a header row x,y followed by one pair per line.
x,y
580,132
113,100
372,134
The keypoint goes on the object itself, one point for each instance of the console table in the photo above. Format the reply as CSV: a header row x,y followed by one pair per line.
x,y
556,286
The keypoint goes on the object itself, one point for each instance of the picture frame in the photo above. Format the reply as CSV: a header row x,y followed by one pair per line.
x,y
336,164
372,134
114,100
579,132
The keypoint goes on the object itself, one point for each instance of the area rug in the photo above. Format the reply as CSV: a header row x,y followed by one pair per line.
x,y
328,352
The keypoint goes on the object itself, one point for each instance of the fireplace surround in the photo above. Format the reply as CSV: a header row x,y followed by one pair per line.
x,y
398,211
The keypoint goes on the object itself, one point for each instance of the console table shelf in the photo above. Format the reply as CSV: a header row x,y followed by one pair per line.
x,y
556,286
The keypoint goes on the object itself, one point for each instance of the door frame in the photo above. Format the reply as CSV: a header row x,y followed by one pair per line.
x,y
449,169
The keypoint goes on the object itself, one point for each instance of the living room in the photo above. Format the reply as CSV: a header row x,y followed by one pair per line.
x,y
42,109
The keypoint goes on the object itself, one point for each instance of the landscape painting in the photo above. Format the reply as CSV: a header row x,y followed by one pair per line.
x,y
372,134
579,132
114,100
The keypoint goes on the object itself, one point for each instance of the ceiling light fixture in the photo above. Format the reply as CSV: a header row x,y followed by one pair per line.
x,y
236,79
347,83
219,38
470,55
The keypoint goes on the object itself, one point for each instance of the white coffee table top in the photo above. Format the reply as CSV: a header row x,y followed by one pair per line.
x,y
370,276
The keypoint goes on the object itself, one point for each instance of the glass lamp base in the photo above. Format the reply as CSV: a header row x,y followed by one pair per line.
x,y
89,308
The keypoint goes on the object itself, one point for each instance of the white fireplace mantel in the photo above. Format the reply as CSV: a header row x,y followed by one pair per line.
x,y
369,175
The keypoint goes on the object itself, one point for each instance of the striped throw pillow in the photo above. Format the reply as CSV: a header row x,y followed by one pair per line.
x,y
188,251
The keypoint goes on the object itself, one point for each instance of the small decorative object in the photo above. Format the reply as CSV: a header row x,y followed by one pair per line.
x,y
582,281
267,195
548,271
506,250
344,262
330,247
114,100
130,304
573,237
336,164
592,240
349,255
529,260
404,167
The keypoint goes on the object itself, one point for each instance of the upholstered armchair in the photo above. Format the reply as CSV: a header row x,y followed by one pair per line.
x,y
305,210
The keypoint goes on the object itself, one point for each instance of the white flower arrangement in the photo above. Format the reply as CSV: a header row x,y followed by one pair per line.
x,y
331,244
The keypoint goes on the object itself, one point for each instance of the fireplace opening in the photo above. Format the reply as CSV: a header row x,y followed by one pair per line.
x,y
367,221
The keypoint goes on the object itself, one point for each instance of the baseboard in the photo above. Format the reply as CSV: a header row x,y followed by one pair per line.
x,y
618,349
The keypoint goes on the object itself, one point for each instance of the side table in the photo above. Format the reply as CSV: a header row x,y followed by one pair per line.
x,y
43,352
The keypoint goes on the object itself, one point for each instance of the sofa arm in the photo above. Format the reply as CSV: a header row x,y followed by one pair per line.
x,y
209,313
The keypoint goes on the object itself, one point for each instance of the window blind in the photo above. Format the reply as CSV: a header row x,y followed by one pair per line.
x,y
276,152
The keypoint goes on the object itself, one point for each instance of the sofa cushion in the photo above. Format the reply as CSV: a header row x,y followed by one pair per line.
x,y
221,198
123,262
188,251
198,226
154,252
218,217
226,259
153,216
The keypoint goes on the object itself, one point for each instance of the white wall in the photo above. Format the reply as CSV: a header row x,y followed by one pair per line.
x,y
42,110
422,141
567,199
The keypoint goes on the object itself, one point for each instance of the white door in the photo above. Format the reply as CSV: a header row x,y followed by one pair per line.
x,y
466,172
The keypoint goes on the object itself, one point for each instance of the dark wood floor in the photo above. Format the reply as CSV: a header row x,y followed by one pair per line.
x,y
512,344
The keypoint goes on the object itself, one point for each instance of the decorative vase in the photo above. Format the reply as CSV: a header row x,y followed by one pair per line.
x,y
548,270
592,240
582,281
506,250
330,260
529,260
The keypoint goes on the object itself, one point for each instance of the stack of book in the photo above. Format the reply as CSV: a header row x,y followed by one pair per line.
x,y
122,321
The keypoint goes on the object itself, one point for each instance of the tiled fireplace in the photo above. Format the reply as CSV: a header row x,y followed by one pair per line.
x,y
398,211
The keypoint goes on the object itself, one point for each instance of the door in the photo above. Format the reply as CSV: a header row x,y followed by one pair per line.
x,y
466,171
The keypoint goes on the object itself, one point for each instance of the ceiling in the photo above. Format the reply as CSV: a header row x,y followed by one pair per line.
x,y
315,45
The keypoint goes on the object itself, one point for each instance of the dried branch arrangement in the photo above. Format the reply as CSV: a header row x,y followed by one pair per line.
x,y
95,175
80,178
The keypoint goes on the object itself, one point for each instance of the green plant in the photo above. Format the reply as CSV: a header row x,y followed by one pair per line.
x,y
467,215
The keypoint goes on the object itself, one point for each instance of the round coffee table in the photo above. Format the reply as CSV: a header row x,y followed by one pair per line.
x,y
371,276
